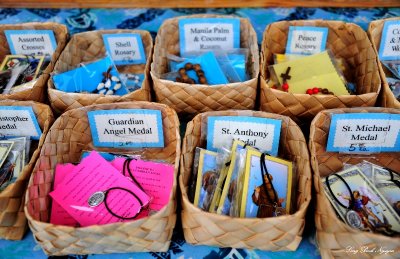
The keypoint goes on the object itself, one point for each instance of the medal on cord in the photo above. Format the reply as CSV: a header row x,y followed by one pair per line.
x,y
351,216
101,196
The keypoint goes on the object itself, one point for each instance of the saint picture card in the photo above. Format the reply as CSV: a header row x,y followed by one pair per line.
x,y
266,196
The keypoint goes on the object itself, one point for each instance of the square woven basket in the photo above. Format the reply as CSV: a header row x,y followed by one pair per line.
x,y
276,233
37,92
386,98
88,47
193,99
334,237
346,41
67,138
13,223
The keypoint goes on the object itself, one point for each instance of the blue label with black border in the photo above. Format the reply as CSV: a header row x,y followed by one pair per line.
x,y
306,40
31,42
125,48
19,121
364,133
126,128
261,133
208,34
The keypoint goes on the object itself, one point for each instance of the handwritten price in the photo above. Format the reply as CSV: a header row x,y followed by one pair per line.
x,y
358,147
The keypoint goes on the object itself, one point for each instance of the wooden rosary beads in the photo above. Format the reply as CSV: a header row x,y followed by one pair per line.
x,y
184,78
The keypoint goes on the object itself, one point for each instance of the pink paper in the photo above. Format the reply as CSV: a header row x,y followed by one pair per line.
x,y
92,175
59,216
155,178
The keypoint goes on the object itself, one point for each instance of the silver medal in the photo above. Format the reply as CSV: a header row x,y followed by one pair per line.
x,y
96,199
353,219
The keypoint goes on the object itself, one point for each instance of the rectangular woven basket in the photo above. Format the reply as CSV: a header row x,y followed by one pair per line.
x,y
347,41
276,233
37,92
67,138
193,99
334,237
13,223
88,47
386,98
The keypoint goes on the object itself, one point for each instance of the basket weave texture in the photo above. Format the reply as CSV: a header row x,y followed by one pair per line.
x,y
68,137
37,92
386,97
13,223
334,237
346,41
87,47
277,233
193,99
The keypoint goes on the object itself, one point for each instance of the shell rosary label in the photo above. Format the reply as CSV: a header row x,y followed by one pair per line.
x,y
209,34
126,128
125,48
364,133
19,121
262,133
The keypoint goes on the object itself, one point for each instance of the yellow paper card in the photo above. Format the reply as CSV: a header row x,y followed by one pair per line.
x,y
311,71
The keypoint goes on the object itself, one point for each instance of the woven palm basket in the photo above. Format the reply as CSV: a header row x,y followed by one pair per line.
x,y
335,237
67,138
88,47
387,98
37,92
277,233
346,41
13,223
193,99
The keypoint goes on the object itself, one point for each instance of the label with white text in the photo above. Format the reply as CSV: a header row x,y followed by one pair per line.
x,y
364,133
31,42
306,40
19,121
125,48
389,48
208,34
262,133
126,128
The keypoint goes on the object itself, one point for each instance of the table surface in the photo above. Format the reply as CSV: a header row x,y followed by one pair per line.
x,y
79,20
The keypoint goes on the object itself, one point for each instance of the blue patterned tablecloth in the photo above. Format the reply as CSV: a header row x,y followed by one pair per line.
x,y
79,20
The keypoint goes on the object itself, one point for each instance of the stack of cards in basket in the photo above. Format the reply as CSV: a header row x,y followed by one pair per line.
x,y
235,185
97,191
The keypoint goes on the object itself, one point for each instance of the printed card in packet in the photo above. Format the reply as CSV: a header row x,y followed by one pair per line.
x,y
391,192
373,210
259,197
206,179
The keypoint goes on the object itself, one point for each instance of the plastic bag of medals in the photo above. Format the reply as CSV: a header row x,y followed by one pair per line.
x,y
240,181
20,72
367,197
106,187
208,67
14,155
97,77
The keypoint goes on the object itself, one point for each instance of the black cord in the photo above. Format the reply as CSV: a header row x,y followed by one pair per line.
x,y
352,202
118,216
126,167
392,173
264,171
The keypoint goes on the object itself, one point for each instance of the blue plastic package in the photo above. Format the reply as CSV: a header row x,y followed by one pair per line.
x,y
100,76
210,66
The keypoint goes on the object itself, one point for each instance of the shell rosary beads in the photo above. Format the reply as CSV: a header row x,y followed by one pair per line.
x,y
109,85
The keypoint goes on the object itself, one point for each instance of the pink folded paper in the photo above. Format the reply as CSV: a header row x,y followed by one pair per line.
x,y
59,216
94,174
156,179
